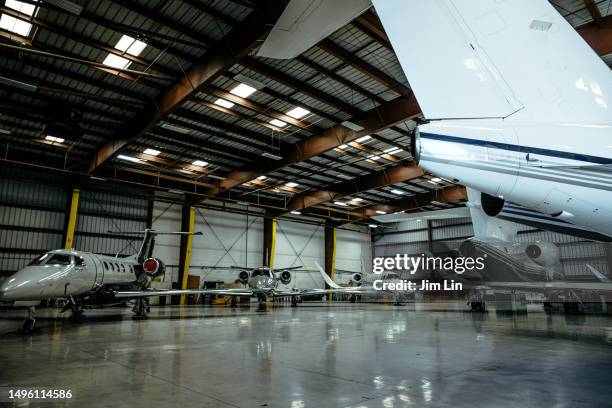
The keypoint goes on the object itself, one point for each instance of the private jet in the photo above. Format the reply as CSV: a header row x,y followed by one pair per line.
x,y
517,105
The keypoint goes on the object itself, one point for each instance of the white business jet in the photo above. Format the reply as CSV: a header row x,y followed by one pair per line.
x,y
518,106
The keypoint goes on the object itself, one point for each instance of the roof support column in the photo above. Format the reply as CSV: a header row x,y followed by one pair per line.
x,y
71,219
269,242
330,254
187,224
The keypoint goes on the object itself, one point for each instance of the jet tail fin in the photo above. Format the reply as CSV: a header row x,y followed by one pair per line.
x,y
326,278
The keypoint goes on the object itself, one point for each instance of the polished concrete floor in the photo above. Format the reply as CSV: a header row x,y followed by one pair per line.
x,y
318,355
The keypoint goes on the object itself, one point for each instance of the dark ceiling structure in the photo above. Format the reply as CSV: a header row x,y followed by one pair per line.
x,y
169,96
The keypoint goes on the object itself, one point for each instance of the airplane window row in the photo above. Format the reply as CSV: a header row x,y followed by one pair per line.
x,y
118,267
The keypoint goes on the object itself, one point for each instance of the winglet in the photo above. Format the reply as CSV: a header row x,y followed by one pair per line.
x,y
326,278
598,274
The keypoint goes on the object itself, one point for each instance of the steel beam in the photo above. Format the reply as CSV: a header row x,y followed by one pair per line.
x,y
377,119
383,178
233,47
330,253
598,35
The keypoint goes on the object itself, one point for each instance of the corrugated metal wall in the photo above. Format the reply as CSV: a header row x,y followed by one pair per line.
x,y
575,252
32,217
100,213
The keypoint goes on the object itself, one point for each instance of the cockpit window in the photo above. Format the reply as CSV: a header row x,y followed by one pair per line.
x,y
59,259
79,261
262,272
41,259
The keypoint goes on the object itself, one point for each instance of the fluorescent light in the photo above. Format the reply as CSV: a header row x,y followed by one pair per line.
x,y
21,7
130,45
343,146
374,157
129,158
357,199
278,123
224,103
372,225
175,128
435,180
15,25
200,163
298,112
363,139
97,178
398,192
380,212
271,156
152,152
214,176
292,184
54,139
5,131
175,191
243,90
296,213
116,61
340,203
393,150
261,178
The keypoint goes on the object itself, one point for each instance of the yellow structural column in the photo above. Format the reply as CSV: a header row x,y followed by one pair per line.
x,y
273,243
333,260
187,259
72,219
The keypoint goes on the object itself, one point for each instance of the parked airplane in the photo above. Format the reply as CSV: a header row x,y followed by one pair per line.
x,y
518,105
92,280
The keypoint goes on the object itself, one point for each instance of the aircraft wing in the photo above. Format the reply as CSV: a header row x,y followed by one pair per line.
x,y
170,292
539,286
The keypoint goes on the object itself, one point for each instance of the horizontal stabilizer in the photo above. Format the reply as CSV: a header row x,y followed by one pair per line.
x,y
306,22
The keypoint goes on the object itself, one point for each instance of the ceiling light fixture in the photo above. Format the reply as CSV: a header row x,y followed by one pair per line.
x,y
292,184
271,156
374,157
296,213
5,131
393,150
175,128
298,112
152,152
18,84
340,203
357,199
214,176
363,139
343,146
243,90
129,158
261,178
224,103
200,163
372,225
380,212
54,139
278,123
398,192
435,180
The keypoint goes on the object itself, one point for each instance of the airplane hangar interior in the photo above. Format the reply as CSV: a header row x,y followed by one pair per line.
x,y
305,203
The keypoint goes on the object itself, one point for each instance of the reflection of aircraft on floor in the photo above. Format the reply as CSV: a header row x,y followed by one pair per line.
x,y
86,279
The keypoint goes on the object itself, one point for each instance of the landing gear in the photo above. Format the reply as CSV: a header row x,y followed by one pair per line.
x,y
294,301
233,301
261,299
77,311
29,324
141,308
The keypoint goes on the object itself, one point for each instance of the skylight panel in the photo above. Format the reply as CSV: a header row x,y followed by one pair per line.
x,y
15,25
243,90
21,7
116,61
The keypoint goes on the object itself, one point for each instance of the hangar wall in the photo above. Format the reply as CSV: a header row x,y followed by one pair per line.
x,y
414,237
33,216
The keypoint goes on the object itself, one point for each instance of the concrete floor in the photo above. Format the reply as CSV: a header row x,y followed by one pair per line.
x,y
346,355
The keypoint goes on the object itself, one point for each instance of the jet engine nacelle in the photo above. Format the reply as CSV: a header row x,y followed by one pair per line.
x,y
285,277
543,253
357,278
244,277
153,267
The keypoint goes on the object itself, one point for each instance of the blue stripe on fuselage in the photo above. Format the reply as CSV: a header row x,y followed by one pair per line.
x,y
517,148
